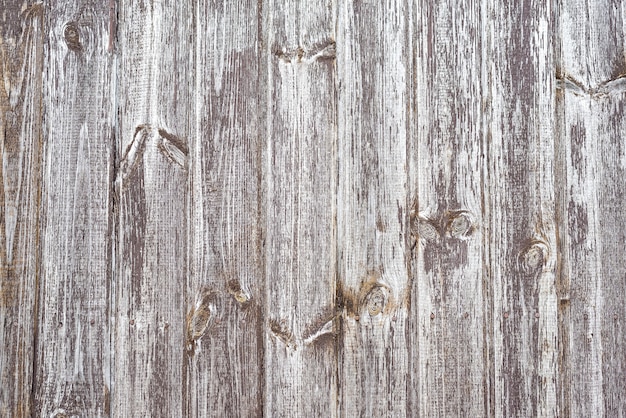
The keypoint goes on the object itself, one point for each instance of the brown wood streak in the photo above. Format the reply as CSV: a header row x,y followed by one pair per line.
x,y
300,179
449,296
591,131
373,72
21,59
73,334
519,178
155,124
224,373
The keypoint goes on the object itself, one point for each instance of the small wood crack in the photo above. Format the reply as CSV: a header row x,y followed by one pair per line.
x,y
612,87
324,51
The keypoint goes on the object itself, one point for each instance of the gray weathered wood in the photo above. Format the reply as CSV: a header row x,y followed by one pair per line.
x,y
449,300
592,195
224,365
21,62
519,204
72,364
312,208
373,72
300,187
156,120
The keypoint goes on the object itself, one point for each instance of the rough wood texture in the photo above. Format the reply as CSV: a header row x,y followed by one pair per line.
x,y
591,139
449,299
21,61
224,366
373,70
312,208
155,79
520,207
73,353
300,187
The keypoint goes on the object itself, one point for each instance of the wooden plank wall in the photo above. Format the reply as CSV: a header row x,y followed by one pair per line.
x,y
21,65
450,318
299,215
312,208
591,129
72,348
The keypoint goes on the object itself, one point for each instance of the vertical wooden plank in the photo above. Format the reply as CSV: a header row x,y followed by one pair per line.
x,y
591,130
300,179
519,204
611,116
450,369
224,362
157,118
21,61
372,63
73,340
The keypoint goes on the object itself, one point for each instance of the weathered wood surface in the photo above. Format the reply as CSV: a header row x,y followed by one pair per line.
x,y
224,362
449,318
21,65
519,205
334,208
592,193
300,181
156,119
73,353
373,282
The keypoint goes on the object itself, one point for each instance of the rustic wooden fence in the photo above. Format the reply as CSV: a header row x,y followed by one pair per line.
x,y
312,208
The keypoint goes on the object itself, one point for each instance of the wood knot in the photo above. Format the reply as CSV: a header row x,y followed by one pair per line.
x,y
200,317
280,330
375,300
533,257
234,288
71,33
321,52
375,297
59,413
424,229
460,225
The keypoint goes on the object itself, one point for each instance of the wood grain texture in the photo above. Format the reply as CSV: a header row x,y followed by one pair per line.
x,y
21,62
591,131
449,297
520,205
300,179
73,353
312,208
155,85
224,366
373,72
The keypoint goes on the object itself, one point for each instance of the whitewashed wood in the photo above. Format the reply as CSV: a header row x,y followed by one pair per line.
x,y
156,119
449,296
312,208
518,77
373,72
73,353
299,207
224,367
21,63
591,138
